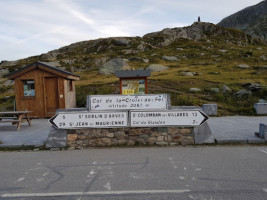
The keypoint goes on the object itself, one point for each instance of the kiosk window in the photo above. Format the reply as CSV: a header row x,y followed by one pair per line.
x,y
28,88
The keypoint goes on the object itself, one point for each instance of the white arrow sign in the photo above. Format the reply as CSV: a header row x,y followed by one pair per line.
x,y
73,120
167,118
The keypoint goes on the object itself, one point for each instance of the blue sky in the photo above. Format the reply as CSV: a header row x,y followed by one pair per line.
x,y
33,27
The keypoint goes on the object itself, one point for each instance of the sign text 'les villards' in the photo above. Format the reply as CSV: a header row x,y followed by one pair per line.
x,y
73,120
127,102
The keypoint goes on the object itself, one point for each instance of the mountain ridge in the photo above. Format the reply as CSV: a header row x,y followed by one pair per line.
x,y
252,20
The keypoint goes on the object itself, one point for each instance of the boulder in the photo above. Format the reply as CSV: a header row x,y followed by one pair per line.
x,y
226,89
166,42
141,47
69,61
8,63
53,64
146,60
263,57
3,72
8,82
243,66
121,41
157,68
215,90
49,56
130,51
189,73
114,65
135,59
243,93
252,86
170,58
194,90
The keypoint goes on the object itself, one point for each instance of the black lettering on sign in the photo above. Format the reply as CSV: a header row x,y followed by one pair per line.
x,y
61,123
194,114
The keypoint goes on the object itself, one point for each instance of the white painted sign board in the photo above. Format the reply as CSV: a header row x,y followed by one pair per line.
x,y
127,102
167,118
73,120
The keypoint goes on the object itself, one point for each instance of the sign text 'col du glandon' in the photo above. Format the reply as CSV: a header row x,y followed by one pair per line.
x,y
127,102
74,120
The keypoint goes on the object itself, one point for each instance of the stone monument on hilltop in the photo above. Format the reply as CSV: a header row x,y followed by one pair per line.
x,y
198,20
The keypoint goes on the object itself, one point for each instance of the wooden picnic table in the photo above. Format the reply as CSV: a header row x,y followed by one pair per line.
x,y
17,118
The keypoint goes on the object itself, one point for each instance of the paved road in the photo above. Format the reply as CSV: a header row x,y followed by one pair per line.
x,y
194,173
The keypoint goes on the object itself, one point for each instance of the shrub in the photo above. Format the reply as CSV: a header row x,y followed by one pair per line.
x,y
93,89
183,100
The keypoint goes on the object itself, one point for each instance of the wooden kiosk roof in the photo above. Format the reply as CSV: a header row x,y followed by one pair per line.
x,y
132,73
45,67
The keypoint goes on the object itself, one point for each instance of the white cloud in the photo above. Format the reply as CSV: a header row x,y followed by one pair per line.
x,y
32,27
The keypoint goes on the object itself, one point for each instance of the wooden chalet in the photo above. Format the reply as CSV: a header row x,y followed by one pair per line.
x,y
42,89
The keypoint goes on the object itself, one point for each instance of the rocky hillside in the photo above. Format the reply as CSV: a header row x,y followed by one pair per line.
x,y
251,20
197,64
92,54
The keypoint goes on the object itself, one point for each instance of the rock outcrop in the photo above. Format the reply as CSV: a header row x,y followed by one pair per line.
x,y
197,31
156,68
170,58
226,89
252,86
8,63
114,65
243,66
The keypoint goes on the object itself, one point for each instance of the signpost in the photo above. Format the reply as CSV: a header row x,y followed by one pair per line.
x,y
74,120
127,102
144,111
167,118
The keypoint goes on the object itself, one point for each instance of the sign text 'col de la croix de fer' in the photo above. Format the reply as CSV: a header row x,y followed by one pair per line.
x,y
127,102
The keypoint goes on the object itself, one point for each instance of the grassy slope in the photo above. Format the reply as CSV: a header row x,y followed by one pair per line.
x,y
214,68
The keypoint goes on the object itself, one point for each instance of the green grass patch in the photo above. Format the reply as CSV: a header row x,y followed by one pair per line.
x,y
93,89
